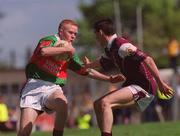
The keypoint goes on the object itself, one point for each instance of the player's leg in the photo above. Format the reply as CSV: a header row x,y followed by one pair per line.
x,y
103,108
58,103
27,119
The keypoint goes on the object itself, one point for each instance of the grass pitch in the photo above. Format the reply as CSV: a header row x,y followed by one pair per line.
x,y
147,129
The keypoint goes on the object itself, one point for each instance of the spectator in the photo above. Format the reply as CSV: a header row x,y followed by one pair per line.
x,y
173,53
5,124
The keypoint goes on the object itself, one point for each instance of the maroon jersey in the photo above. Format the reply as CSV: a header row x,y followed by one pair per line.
x,y
129,59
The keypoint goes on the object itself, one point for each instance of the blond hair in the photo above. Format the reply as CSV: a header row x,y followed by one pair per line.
x,y
67,21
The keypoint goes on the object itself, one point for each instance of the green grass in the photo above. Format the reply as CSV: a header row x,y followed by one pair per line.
x,y
148,129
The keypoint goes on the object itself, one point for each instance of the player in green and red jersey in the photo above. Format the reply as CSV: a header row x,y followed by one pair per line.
x,y
46,73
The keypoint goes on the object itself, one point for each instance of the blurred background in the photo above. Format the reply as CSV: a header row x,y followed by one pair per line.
x,y
151,25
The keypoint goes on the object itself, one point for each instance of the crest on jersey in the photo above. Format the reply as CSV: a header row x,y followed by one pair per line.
x,y
126,49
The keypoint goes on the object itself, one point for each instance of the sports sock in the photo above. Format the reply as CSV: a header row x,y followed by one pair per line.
x,y
58,132
106,134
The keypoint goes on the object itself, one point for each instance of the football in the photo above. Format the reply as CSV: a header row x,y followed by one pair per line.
x,y
62,43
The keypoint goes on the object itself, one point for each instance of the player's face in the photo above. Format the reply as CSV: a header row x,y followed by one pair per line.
x,y
68,32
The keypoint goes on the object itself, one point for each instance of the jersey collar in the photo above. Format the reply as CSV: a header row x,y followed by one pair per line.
x,y
111,40
57,37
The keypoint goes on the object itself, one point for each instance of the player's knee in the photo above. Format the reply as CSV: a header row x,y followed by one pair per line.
x,y
61,104
104,103
101,104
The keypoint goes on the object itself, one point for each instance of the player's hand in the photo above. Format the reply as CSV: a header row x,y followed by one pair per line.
x,y
86,60
67,45
117,78
166,90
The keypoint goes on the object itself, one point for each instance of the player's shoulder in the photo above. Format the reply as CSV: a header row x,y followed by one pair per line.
x,y
121,40
49,38
125,47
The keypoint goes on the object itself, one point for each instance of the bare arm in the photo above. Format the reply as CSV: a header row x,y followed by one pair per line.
x,y
164,88
65,48
99,76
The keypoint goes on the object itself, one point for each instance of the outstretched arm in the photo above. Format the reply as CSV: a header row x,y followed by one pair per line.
x,y
164,88
84,70
99,76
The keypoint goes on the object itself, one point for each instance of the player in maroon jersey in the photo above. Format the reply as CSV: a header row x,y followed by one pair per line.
x,y
140,70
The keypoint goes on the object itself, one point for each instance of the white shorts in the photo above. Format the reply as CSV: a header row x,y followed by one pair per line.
x,y
35,94
141,97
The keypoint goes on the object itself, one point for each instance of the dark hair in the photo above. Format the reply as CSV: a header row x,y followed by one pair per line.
x,y
106,25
